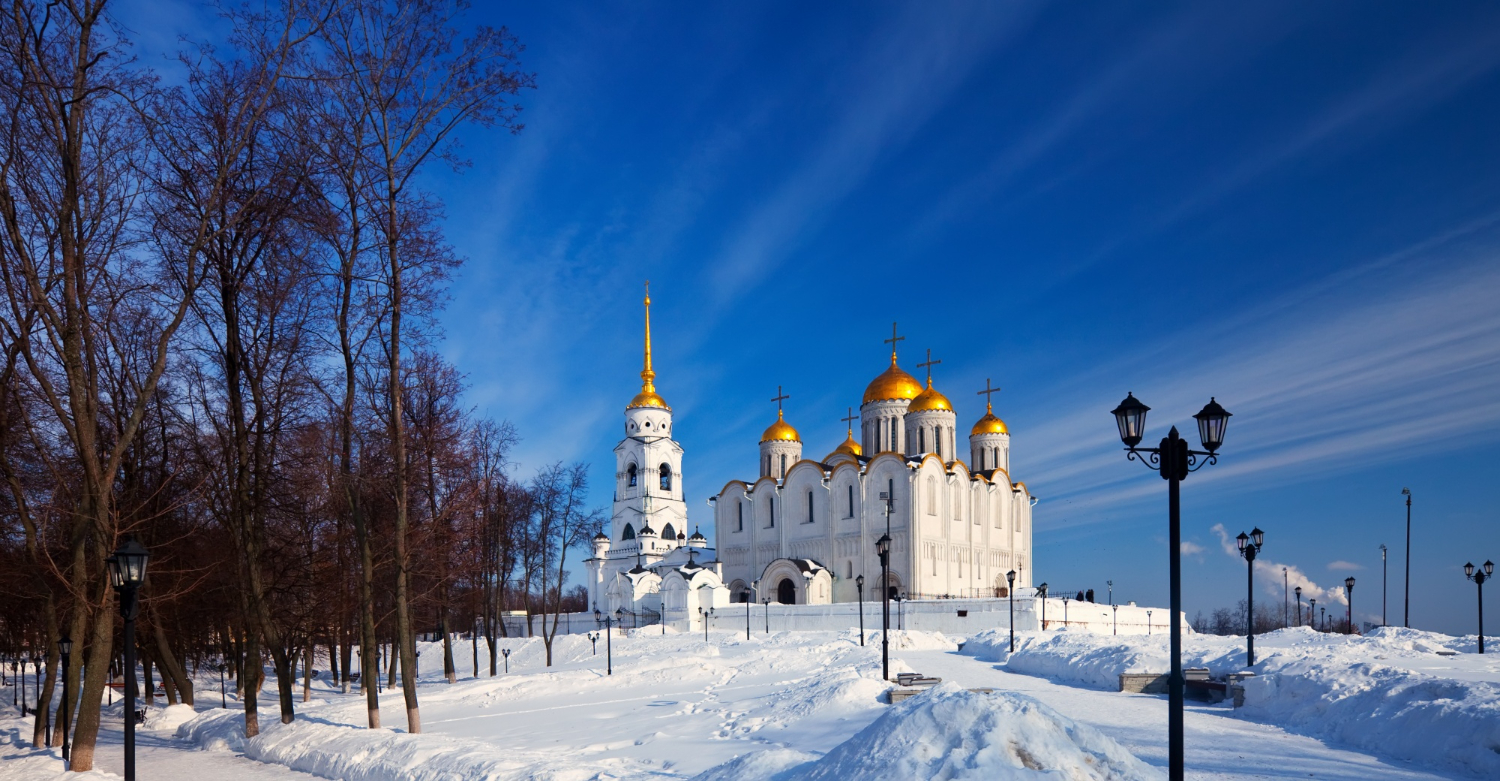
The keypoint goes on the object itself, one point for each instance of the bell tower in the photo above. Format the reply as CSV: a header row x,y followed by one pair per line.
x,y
648,468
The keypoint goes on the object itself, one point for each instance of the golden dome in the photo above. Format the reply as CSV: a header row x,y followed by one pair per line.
x,y
929,400
648,398
780,431
850,447
989,424
892,384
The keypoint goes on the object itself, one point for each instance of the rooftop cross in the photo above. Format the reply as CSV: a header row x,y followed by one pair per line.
x,y
780,397
850,419
986,393
892,342
928,365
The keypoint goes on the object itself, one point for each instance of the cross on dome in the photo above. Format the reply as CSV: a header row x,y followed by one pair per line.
x,y
892,342
987,393
928,365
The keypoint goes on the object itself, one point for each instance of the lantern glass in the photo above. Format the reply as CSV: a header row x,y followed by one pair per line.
x,y
1243,539
112,565
1010,577
1130,416
1349,583
1042,589
1469,570
1257,536
65,645
1489,568
1212,420
860,581
883,545
131,559
1298,590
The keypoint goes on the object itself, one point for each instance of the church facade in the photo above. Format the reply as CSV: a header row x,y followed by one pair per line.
x,y
805,530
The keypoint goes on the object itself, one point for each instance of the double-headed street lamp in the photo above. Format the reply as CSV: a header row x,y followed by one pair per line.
x,y
1479,578
1174,461
505,652
65,648
594,642
859,583
1249,546
883,549
127,571
1010,592
609,653
1349,605
1041,591
707,614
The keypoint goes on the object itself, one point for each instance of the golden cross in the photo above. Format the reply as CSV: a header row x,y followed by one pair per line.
x,y
928,365
987,392
892,342
780,397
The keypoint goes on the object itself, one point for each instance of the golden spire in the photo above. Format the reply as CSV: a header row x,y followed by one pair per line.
x,y
648,397
647,376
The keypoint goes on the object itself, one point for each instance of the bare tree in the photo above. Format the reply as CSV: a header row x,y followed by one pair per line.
x,y
561,523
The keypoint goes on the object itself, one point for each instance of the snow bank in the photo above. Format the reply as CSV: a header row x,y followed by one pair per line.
x,y
168,719
1390,692
343,752
951,733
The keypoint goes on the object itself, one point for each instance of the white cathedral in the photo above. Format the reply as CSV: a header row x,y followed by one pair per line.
x,y
805,530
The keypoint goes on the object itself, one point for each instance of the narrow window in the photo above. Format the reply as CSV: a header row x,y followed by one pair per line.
x,y
851,500
783,465
629,533
937,436
666,477
810,517
931,496
922,440
740,506
631,474
895,441
771,507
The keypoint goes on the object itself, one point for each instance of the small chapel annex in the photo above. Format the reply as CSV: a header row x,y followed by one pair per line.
x,y
805,530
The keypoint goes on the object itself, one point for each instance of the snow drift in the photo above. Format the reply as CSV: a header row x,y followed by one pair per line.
x,y
952,733
1390,692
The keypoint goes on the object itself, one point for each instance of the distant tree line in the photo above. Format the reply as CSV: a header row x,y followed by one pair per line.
x,y
1268,618
217,336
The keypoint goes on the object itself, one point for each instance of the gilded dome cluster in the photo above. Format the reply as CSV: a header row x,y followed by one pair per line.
x,y
893,384
928,400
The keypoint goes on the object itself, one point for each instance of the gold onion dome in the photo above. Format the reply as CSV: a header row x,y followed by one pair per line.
x,y
850,447
780,431
648,396
928,400
892,384
989,424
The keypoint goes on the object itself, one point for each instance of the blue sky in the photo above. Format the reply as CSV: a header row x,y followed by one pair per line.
x,y
1292,207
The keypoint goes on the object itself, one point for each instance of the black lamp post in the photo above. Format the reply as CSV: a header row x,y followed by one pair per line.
x,y
1065,612
1148,622
707,614
1312,612
1110,584
1115,619
609,656
1349,605
1010,592
594,642
1479,578
65,648
505,652
1249,546
1324,615
883,549
1406,616
1382,584
36,671
127,571
25,703
1298,591
1174,461
223,697
747,614
859,583
1041,591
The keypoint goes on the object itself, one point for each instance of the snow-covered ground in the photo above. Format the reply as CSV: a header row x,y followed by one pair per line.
x,y
807,705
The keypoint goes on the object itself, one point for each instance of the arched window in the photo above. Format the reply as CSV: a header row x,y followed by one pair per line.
x,y
932,496
740,506
669,533
783,464
666,477
922,440
849,568
629,533
810,516
630,473
851,500
937,441
786,592
771,508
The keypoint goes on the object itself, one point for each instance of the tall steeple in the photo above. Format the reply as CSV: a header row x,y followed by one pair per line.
x,y
648,396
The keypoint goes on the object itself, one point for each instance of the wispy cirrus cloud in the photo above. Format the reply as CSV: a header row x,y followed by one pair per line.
x,y
1393,360
1344,566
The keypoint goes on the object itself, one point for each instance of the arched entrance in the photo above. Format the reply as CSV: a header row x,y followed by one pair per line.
x,y
786,592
